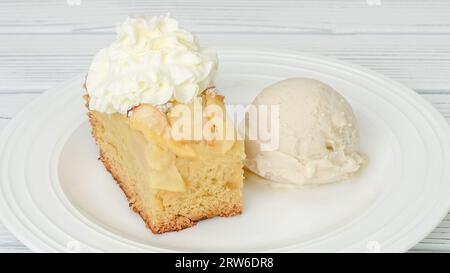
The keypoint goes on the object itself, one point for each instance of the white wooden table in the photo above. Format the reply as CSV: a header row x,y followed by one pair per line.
x,y
43,43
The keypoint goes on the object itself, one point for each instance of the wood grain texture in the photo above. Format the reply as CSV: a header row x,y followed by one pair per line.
x,y
233,16
417,62
44,44
8,243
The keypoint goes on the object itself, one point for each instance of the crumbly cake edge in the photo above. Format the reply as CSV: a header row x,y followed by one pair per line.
x,y
181,222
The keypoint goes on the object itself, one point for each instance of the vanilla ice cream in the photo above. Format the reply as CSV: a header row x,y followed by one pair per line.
x,y
318,135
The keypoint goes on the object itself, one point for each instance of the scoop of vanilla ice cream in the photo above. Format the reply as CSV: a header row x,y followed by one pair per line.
x,y
318,135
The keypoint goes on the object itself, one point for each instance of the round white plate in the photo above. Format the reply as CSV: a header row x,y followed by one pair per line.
x,y
56,196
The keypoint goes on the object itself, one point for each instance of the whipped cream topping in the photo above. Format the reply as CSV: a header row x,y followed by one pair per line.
x,y
152,61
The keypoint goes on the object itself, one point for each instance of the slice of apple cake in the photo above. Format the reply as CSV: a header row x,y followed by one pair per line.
x,y
148,93
171,184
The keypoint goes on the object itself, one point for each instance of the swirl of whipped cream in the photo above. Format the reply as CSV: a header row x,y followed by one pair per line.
x,y
151,61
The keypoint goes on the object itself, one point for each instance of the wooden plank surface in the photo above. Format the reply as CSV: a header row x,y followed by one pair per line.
x,y
44,44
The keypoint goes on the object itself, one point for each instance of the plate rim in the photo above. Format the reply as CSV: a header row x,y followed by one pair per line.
x,y
17,228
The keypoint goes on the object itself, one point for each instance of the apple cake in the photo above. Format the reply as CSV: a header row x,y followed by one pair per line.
x,y
135,89
171,184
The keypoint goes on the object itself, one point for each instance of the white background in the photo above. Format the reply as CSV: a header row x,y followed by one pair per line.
x,y
43,43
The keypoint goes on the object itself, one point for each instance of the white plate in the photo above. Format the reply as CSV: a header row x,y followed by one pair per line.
x,y
56,196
